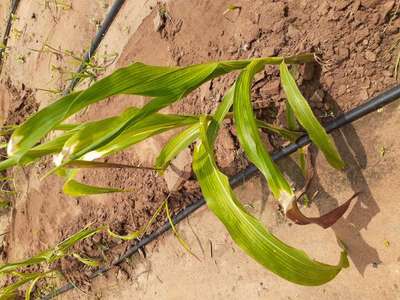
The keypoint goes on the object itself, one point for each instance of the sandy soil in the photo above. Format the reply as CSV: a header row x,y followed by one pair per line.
x,y
369,229
354,39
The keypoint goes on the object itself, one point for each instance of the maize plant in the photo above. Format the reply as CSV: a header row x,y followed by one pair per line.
x,y
82,145
46,258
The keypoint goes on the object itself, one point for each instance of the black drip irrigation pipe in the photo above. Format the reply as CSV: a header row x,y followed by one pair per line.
x,y
14,6
364,109
105,25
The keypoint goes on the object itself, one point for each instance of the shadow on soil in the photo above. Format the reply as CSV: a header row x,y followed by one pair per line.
x,y
348,228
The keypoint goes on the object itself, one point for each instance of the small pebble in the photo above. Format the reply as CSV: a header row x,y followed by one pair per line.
x,y
370,56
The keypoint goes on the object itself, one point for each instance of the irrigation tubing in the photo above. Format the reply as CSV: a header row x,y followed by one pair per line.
x,y
14,6
371,105
105,25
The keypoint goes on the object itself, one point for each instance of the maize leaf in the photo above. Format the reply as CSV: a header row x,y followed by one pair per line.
x,y
150,126
166,84
52,255
290,135
87,164
62,248
87,261
250,140
40,276
181,241
37,259
183,139
307,119
176,145
10,291
138,233
77,189
248,233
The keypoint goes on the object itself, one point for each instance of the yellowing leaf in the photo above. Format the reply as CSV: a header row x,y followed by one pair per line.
x,y
248,233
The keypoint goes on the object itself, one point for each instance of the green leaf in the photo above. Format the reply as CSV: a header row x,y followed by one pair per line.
x,y
176,145
290,135
183,139
8,163
4,204
86,164
308,120
250,140
248,233
66,127
150,126
36,127
37,259
10,291
181,241
62,248
77,189
138,233
221,112
53,146
87,261
54,254
39,276
291,118
130,236
165,84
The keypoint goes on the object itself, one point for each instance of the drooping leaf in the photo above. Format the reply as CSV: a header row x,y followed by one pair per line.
x,y
307,119
325,221
181,241
183,139
87,164
89,134
148,127
77,189
290,135
250,140
87,261
10,291
40,276
62,248
29,290
165,84
176,145
53,254
37,259
128,237
50,147
248,233
138,233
